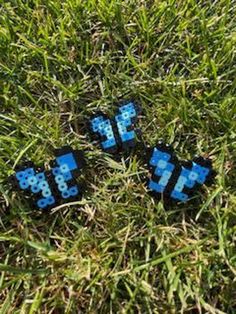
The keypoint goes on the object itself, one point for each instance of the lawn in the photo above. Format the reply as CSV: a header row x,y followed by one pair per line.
x,y
118,250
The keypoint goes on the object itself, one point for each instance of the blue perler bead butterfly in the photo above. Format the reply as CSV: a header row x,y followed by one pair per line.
x,y
48,189
174,180
118,133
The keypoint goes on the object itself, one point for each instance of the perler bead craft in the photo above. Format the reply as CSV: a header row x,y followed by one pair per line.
x,y
175,180
119,133
47,189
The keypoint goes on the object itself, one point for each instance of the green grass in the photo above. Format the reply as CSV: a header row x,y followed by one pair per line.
x,y
117,250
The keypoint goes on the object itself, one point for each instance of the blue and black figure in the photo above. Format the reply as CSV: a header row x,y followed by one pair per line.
x,y
47,189
118,133
174,180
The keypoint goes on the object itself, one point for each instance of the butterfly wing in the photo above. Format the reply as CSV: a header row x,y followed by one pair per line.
x,y
101,126
163,166
67,166
35,182
191,178
125,119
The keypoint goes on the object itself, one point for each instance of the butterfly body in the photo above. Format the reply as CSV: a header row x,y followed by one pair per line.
x,y
117,133
174,180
